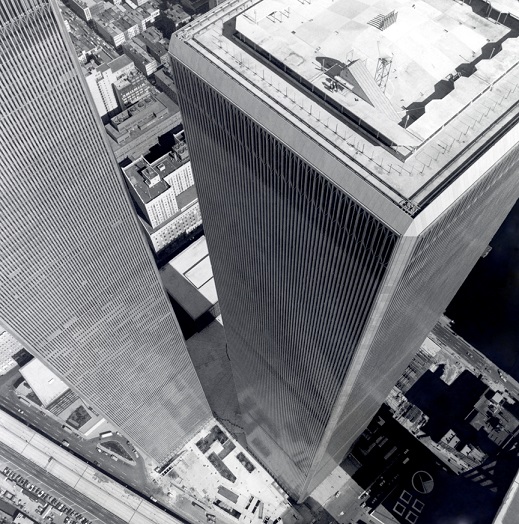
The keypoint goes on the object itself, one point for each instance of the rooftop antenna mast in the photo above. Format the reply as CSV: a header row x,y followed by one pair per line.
x,y
383,69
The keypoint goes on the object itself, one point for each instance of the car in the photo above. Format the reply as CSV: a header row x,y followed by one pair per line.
x,y
136,454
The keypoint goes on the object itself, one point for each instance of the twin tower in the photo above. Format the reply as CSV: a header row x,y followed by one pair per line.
x,y
339,226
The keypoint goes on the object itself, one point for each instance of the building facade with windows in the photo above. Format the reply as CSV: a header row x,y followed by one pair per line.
x,y
100,82
164,194
341,216
9,346
78,285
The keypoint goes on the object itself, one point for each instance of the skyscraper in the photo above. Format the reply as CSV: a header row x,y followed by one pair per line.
x,y
78,287
346,189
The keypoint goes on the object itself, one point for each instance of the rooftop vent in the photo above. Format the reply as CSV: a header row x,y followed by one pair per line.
x,y
382,22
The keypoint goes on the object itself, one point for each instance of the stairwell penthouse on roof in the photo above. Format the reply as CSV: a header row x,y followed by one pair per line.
x,y
404,91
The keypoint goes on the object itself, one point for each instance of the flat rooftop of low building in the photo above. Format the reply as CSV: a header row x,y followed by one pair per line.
x,y
120,63
188,278
136,174
187,197
46,385
397,89
139,171
87,3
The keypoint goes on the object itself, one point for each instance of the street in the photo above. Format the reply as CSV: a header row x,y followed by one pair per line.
x,y
56,487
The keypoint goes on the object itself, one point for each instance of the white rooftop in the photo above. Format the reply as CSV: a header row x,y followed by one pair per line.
x,y
315,59
427,41
194,264
506,6
46,385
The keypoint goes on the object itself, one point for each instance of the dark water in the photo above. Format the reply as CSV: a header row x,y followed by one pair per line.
x,y
486,308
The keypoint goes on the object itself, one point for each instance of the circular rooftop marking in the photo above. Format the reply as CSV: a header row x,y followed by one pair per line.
x,y
422,482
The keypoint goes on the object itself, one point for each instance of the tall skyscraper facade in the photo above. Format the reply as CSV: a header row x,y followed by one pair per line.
x,y
78,287
346,193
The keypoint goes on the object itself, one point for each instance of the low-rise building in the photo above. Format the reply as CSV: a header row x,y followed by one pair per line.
x,y
87,9
156,186
136,129
45,384
195,6
188,279
122,66
9,346
185,222
153,35
136,50
23,519
177,13
165,82
100,82
154,197
156,45
136,3
131,88
117,24
165,196
172,18
215,3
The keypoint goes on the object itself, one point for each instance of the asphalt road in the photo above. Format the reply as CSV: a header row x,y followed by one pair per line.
x,y
57,488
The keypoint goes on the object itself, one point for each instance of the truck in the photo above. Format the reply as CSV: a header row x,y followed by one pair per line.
x,y
106,434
